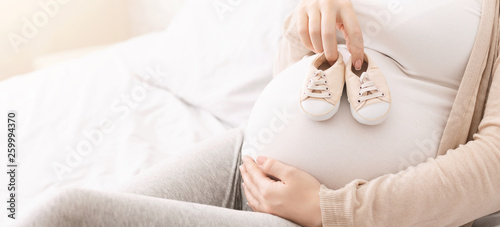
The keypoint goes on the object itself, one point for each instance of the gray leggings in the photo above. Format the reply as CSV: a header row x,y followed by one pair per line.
x,y
202,187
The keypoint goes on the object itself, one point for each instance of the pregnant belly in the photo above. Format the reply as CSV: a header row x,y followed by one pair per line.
x,y
340,150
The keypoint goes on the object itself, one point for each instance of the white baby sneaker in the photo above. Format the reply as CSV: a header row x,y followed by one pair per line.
x,y
322,89
368,93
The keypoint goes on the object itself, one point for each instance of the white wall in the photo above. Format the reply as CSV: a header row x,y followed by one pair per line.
x,y
52,26
151,15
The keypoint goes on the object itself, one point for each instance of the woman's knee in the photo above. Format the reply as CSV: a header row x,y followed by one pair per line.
x,y
70,196
70,203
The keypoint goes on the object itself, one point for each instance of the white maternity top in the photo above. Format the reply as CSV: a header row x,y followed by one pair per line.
x,y
422,48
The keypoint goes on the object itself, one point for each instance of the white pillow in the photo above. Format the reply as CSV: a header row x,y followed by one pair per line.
x,y
218,55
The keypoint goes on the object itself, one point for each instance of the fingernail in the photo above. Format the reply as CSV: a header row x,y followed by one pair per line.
x,y
358,64
261,160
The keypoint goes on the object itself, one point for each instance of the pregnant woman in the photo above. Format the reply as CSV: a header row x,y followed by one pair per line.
x,y
434,162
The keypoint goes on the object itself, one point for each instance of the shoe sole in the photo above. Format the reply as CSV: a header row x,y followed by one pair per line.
x,y
365,121
321,117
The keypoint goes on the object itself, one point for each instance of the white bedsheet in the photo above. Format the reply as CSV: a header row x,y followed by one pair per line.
x,y
97,121
59,107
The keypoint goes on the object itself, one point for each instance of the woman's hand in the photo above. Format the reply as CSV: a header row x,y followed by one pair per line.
x,y
317,21
275,188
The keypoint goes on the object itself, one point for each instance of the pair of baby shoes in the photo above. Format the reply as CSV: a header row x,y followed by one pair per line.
x,y
367,90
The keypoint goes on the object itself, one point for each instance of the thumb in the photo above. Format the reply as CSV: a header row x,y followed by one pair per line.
x,y
274,168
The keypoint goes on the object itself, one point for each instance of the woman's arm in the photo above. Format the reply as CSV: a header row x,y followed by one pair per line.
x,y
450,190
291,50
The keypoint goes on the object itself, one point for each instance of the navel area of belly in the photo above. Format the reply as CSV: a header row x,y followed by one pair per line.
x,y
335,151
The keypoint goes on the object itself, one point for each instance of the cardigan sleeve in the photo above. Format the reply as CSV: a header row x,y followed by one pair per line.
x,y
291,48
450,190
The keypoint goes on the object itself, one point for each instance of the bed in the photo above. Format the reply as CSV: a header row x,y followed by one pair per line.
x,y
98,120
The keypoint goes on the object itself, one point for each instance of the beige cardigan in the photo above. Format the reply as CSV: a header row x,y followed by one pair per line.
x,y
457,187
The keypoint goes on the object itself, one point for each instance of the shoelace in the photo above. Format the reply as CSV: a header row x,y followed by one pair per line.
x,y
318,83
368,86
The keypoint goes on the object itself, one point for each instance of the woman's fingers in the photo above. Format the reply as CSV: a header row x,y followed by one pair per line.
x,y
328,34
252,202
353,35
315,30
251,188
250,194
317,22
276,168
303,27
257,179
